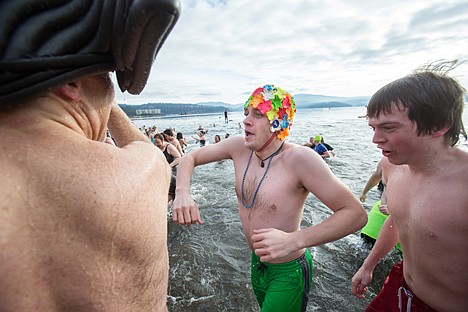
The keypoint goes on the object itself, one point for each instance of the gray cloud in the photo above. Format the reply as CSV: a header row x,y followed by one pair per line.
x,y
223,50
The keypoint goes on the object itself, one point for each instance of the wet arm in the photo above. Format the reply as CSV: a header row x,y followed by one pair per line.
x,y
184,209
346,220
348,214
374,179
387,239
205,155
122,129
174,153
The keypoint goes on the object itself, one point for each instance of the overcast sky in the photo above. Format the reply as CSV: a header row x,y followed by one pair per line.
x,y
222,50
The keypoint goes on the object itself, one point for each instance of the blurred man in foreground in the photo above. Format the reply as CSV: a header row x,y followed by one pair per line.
x,y
83,222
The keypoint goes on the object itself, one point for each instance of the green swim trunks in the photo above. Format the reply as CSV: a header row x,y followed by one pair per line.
x,y
283,286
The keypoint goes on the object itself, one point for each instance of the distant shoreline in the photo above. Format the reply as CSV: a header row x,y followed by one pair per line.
x,y
174,116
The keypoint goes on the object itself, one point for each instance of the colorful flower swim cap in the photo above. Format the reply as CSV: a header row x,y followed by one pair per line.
x,y
278,105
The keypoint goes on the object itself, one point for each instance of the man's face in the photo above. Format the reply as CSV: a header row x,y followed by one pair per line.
x,y
257,128
396,135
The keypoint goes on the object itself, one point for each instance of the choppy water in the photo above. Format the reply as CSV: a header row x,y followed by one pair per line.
x,y
210,263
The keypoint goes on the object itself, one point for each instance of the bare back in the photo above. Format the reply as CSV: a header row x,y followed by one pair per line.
x,y
431,214
83,228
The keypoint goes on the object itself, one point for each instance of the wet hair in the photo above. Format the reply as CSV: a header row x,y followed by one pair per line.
x,y
179,135
159,136
168,132
432,99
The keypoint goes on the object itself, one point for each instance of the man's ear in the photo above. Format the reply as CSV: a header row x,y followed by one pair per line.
x,y
441,132
70,91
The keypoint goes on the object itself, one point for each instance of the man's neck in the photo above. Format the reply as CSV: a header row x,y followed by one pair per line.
x,y
270,149
87,122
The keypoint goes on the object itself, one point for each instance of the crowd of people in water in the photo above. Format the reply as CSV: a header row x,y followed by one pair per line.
x,y
171,135
174,145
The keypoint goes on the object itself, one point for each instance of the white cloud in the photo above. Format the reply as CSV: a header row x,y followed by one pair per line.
x,y
223,50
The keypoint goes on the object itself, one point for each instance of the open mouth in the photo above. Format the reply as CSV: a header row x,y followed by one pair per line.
x,y
248,134
386,153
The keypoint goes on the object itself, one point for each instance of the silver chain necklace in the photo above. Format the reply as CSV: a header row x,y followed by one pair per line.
x,y
264,175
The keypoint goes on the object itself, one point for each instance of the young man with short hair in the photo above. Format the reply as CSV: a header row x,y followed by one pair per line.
x,y
417,122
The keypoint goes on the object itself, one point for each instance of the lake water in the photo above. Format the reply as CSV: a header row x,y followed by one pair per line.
x,y
210,263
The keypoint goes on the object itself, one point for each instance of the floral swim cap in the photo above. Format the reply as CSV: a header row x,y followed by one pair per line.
x,y
278,105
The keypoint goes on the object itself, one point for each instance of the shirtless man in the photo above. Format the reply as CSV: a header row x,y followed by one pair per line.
x,y
273,181
379,212
83,223
378,176
417,122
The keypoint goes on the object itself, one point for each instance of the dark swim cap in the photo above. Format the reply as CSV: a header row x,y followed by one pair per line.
x,y
44,44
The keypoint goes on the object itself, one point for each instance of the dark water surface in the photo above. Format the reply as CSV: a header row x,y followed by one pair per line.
x,y
210,263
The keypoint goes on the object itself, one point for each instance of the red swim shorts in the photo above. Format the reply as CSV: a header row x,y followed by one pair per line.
x,y
397,296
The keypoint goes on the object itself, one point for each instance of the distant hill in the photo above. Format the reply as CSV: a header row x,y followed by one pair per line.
x,y
302,101
305,100
175,109
326,105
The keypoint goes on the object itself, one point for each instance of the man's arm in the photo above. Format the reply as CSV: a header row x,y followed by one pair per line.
x,y
122,129
174,153
184,209
374,179
387,239
348,214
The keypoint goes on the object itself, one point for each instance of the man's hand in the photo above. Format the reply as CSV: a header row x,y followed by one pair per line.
x,y
185,211
271,244
362,198
384,209
360,282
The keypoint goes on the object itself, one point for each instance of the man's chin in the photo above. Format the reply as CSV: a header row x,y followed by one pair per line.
x,y
249,144
394,160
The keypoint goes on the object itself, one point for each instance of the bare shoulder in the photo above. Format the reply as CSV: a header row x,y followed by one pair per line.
x,y
235,140
459,163
462,155
388,168
101,174
297,150
299,154
236,145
